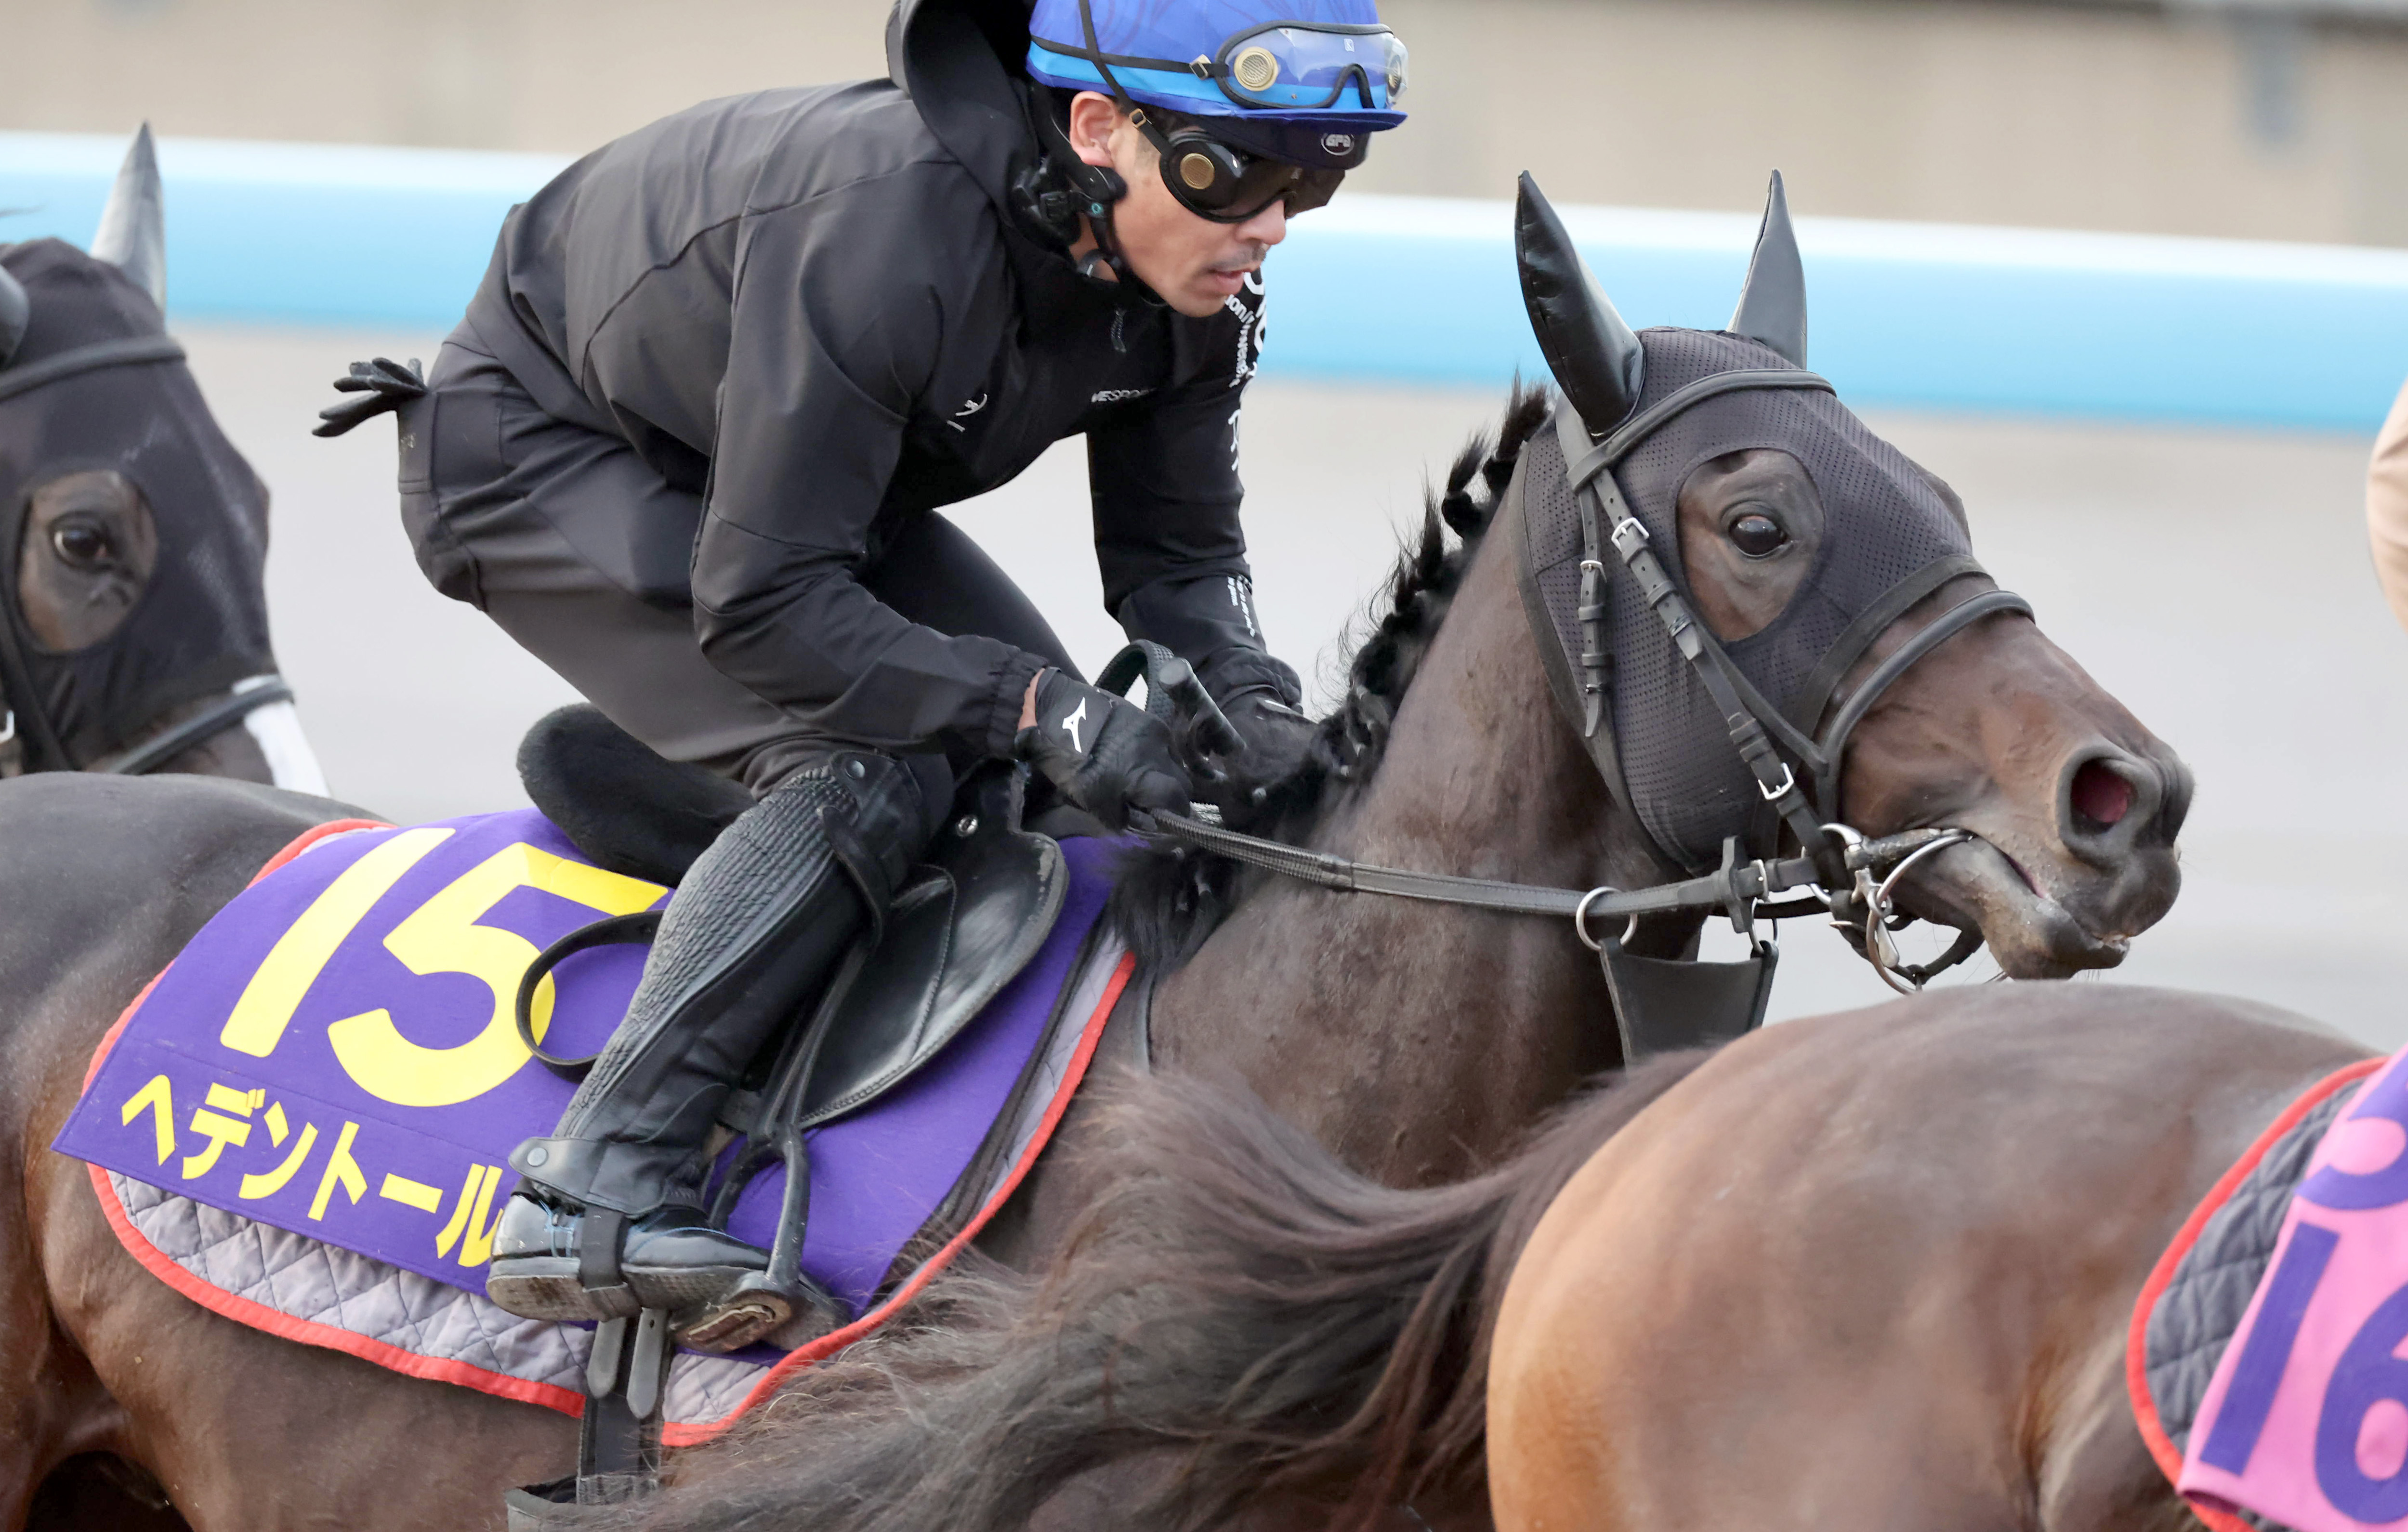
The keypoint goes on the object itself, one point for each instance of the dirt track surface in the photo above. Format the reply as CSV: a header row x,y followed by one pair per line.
x,y
2216,580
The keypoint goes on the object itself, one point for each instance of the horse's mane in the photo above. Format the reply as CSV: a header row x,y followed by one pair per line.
x,y
1168,899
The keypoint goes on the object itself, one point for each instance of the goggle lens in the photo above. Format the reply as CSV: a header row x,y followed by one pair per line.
x,y
1305,66
1262,184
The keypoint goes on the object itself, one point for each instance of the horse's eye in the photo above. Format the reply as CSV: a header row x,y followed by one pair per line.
x,y
82,544
1757,536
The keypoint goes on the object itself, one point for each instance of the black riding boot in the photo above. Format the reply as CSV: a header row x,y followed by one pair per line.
x,y
607,1216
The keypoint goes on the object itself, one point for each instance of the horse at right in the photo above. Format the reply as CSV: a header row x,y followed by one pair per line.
x,y
1872,1271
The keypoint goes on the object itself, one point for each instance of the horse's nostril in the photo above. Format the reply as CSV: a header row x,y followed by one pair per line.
x,y
2101,795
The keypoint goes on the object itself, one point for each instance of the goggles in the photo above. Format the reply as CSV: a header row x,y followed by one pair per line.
x,y
1227,185
1309,68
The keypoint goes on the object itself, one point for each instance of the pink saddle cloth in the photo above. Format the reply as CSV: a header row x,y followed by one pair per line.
x,y
2305,1419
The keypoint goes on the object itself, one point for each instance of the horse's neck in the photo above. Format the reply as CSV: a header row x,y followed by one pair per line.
x,y
1420,1039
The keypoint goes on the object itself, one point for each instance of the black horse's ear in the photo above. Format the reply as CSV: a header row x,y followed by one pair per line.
x,y
1773,301
1597,363
132,234
16,312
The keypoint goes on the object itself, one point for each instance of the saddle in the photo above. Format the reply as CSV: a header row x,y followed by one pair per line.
x,y
965,922
963,925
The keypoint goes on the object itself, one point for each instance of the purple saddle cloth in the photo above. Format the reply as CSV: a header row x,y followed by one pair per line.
x,y
335,1055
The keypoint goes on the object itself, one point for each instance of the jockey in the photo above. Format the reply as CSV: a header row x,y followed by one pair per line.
x,y
687,447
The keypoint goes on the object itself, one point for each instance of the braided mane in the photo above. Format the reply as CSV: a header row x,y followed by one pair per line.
x,y
1168,898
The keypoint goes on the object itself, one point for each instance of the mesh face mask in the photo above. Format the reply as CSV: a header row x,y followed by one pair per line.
x,y
1883,524
201,625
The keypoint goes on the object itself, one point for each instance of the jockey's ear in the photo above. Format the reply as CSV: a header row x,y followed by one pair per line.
x,y
1093,117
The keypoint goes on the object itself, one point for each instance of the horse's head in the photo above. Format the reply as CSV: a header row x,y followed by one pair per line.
x,y
134,614
1866,653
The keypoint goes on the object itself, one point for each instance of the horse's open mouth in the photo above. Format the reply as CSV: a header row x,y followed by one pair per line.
x,y
2030,934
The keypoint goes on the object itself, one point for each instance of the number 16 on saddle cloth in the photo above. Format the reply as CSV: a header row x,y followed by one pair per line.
x,y
2305,1420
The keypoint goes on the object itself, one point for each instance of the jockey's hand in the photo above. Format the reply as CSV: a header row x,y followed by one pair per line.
x,y
1107,754
1277,736
382,384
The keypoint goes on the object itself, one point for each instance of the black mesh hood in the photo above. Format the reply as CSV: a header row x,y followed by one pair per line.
x,y
202,623
1884,521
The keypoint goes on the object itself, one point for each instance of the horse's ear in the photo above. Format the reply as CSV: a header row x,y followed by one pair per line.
x,y
16,312
1772,302
1597,363
133,235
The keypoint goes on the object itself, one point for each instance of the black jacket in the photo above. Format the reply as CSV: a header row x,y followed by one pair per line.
x,y
814,308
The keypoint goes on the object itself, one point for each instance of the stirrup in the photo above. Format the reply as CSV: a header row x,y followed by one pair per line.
x,y
760,1307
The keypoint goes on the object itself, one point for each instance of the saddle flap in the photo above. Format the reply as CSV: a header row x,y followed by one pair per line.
x,y
961,929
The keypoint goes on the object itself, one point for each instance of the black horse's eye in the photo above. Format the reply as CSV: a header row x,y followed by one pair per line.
x,y
1757,536
82,544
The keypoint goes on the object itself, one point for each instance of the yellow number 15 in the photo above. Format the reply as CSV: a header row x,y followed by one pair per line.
x,y
440,935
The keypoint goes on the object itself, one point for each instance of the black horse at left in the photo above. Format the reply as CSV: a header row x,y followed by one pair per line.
x,y
133,537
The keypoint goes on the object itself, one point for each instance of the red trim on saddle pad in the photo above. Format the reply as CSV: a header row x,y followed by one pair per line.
x,y
677,1433
2136,1381
309,1332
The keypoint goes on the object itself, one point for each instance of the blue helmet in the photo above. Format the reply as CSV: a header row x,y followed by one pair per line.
x,y
1301,82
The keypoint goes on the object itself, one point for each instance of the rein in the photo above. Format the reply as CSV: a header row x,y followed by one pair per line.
x,y
1738,886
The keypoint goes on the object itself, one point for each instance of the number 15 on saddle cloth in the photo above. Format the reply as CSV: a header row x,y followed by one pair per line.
x,y
334,1052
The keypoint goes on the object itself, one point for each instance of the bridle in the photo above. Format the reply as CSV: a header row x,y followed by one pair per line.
x,y
1848,877
27,732
1773,744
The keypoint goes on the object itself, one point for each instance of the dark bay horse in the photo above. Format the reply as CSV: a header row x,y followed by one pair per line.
x,y
1868,1270
1418,1040
133,605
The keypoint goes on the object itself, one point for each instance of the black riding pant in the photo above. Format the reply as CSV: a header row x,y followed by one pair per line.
x,y
504,503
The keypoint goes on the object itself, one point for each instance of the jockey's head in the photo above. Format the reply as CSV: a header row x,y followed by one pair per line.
x,y
1216,122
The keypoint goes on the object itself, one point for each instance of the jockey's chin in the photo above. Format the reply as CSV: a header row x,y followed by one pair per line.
x,y
1195,263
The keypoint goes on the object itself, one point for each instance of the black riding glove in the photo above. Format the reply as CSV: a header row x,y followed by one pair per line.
x,y
383,384
1259,695
1105,754
1277,736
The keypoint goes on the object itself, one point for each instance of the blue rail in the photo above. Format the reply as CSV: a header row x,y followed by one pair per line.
x,y
1409,289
